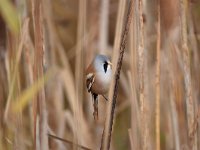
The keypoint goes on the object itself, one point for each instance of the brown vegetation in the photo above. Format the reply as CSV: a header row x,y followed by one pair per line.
x,y
45,47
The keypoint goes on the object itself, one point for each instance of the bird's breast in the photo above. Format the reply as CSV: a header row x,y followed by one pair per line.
x,y
102,82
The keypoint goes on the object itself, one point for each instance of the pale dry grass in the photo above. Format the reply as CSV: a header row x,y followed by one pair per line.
x,y
45,47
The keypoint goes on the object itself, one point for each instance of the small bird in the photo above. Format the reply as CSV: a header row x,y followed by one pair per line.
x,y
98,78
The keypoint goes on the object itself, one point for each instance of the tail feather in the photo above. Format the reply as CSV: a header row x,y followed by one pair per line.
x,y
95,105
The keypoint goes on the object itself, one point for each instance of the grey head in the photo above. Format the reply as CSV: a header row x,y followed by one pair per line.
x,y
102,63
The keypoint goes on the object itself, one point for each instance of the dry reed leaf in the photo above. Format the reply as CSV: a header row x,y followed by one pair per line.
x,y
10,15
16,66
135,115
69,88
131,138
27,95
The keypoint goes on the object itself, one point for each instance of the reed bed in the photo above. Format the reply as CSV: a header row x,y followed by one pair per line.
x,y
153,101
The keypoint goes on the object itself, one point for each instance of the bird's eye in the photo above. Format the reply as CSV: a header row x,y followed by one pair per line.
x,y
105,66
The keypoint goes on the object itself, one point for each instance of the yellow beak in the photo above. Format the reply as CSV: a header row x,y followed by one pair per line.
x,y
110,64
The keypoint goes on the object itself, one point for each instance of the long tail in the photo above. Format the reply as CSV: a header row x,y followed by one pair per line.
x,y
95,105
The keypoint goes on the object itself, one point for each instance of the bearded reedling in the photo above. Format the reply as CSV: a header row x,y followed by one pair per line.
x,y
98,78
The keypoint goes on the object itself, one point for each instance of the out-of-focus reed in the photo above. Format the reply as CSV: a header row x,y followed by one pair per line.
x,y
45,47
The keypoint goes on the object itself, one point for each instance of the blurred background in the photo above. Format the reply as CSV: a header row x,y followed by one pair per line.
x,y
45,47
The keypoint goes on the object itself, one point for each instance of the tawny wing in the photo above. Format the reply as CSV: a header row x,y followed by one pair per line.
x,y
89,81
90,77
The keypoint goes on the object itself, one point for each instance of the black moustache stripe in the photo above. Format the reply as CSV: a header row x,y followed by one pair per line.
x,y
105,66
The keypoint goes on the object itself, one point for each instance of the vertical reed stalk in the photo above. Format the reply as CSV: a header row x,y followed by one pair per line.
x,y
172,77
141,55
106,137
187,73
118,31
135,127
157,83
40,118
79,70
143,106
134,137
104,18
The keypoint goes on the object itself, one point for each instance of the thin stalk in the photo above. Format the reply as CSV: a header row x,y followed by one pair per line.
x,y
158,81
81,130
135,115
143,106
187,73
174,115
39,109
106,137
104,18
